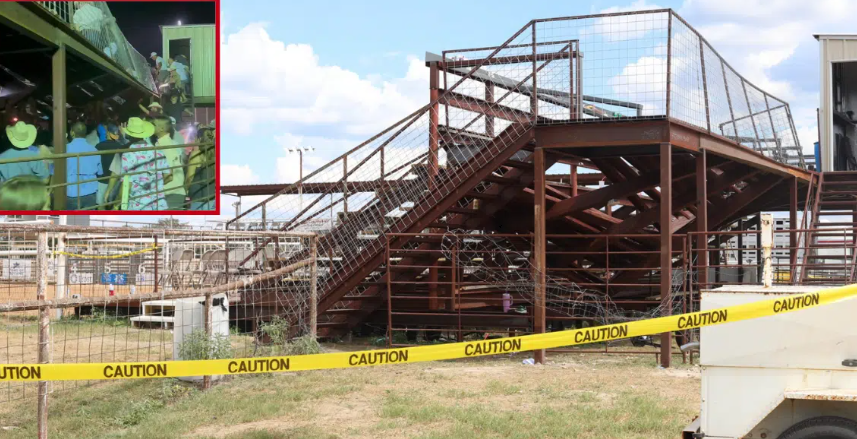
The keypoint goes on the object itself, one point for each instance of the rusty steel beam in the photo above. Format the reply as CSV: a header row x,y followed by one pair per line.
x,y
344,285
737,202
702,213
666,216
481,106
599,197
654,132
540,243
518,59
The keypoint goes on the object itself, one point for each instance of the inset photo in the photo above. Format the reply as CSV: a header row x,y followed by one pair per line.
x,y
108,106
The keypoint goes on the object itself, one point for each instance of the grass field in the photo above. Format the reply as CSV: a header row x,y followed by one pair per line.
x,y
573,396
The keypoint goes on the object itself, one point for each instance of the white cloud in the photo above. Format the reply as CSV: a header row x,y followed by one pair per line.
x,y
756,36
629,27
268,81
237,174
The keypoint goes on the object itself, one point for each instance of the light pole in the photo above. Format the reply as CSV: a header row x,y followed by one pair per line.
x,y
300,151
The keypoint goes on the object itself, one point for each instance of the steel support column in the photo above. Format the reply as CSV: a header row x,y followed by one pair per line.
x,y
433,122
573,180
58,93
540,242
793,225
666,246
702,217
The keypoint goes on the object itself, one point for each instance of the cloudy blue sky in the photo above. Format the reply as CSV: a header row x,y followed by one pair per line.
x,y
331,73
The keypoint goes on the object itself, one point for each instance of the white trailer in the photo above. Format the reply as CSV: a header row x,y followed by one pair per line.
x,y
787,376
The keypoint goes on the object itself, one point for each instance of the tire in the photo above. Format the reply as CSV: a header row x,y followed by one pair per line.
x,y
824,427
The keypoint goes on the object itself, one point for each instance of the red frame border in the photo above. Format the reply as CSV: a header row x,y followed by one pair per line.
x,y
216,210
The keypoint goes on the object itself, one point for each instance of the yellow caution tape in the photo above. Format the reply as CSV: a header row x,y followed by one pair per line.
x,y
162,369
123,255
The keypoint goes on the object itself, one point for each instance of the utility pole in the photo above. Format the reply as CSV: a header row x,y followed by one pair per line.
x,y
300,151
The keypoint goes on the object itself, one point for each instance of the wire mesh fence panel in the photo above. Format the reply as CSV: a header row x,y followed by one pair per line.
x,y
139,294
606,67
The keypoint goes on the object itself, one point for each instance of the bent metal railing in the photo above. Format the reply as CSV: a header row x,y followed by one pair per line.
x,y
637,65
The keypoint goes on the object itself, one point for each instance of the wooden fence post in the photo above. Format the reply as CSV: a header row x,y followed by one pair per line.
x,y
44,329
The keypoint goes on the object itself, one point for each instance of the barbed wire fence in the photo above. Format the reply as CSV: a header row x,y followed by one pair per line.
x,y
110,295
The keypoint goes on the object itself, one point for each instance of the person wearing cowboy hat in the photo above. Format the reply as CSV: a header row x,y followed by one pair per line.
x,y
80,196
21,136
201,171
155,109
145,170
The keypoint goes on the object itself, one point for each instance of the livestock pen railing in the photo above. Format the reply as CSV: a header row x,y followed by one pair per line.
x,y
99,294
471,284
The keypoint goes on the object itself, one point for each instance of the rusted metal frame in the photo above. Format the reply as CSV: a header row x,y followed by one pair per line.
x,y
718,183
728,101
539,243
69,302
758,140
389,295
702,211
44,330
613,174
424,217
666,215
313,287
580,84
774,130
793,242
669,71
606,14
758,113
506,194
534,98
736,202
572,108
518,59
572,178
477,105
705,85
454,288
629,172
814,221
343,180
509,91
794,135
489,121
415,115
599,197
434,138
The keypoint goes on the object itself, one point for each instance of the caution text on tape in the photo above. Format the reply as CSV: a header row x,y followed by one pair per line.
x,y
340,360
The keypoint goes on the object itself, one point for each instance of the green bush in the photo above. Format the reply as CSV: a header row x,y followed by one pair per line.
x,y
277,331
199,346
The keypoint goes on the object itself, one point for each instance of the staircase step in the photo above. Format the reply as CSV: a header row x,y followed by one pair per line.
x,y
518,164
341,311
462,210
501,180
481,195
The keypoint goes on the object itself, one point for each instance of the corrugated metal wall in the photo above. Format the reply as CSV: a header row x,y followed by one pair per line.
x,y
203,56
834,48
